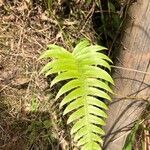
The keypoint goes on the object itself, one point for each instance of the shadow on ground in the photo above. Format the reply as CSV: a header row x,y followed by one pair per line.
x,y
25,130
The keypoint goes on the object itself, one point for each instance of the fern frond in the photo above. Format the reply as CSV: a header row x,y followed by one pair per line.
x,y
85,90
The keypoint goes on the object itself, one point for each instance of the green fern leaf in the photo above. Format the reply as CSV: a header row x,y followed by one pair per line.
x,y
81,46
85,91
94,55
68,86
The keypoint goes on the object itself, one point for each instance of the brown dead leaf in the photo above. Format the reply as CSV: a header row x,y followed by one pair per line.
x,y
5,76
1,2
20,83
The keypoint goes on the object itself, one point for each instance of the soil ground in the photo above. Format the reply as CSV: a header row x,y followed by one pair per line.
x,y
26,29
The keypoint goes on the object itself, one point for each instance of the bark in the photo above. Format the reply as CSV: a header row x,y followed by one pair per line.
x,y
132,87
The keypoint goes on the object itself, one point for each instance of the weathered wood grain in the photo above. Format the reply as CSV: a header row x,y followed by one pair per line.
x,y
132,88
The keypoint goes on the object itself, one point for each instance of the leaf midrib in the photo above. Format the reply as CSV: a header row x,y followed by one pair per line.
x,y
85,86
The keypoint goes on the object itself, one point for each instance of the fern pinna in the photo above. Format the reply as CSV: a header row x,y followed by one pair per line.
x,y
85,89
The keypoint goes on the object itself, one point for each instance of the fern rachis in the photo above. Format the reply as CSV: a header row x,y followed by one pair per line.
x,y
86,86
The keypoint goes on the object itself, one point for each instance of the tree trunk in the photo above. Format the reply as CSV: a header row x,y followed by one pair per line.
x,y
132,87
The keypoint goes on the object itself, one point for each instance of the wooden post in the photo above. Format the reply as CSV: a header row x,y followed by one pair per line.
x,y
132,87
